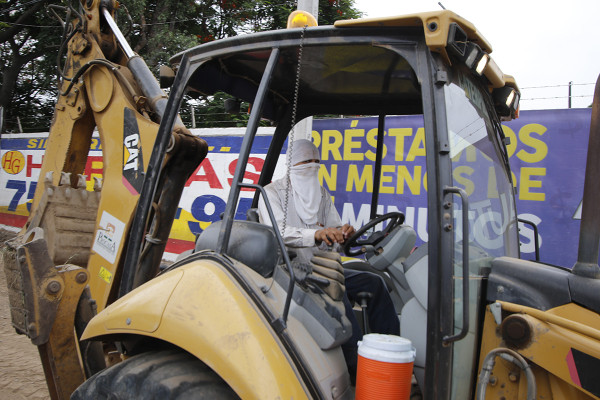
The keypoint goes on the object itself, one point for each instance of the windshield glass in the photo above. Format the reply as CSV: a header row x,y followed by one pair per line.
x,y
478,168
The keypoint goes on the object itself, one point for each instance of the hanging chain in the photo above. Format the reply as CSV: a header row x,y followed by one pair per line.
x,y
291,137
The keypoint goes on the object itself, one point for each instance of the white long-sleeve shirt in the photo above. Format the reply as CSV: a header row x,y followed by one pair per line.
x,y
297,233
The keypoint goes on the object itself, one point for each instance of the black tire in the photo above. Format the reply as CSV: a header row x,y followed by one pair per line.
x,y
169,374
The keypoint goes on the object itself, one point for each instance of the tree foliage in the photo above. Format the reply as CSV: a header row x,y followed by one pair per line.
x,y
155,29
28,45
236,17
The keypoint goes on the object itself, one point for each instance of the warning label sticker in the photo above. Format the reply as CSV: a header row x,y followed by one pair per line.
x,y
105,275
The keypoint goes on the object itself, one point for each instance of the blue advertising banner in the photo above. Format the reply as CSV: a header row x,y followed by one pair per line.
x,y
348,153
547,156
548,153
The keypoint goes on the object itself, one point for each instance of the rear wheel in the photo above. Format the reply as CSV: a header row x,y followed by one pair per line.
x,y
169,374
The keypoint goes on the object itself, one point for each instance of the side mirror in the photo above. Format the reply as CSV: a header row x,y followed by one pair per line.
x,y
166,76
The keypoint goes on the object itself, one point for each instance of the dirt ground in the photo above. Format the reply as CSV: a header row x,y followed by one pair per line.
x,y
21,373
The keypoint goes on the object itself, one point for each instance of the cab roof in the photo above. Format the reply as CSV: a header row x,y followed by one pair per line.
x,y
346,68
435,25
343,71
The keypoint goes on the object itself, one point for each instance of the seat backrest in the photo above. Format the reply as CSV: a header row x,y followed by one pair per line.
x,y
413,319
413,323
416,271
250,243
397,247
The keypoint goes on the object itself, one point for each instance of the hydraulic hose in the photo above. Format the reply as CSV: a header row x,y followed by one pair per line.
x,y
510,356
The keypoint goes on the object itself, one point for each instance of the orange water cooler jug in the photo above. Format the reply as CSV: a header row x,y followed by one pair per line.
x,y
385,366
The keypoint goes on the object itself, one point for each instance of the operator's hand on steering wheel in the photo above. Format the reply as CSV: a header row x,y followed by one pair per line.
x,y
347,230
329,236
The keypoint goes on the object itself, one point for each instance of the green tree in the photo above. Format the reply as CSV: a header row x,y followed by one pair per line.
x,y
158,29
28,46
240,16
30,40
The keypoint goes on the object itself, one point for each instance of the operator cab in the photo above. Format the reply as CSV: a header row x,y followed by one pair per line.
x,y
384,71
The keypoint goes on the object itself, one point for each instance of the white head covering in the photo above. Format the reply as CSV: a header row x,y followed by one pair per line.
x,y
304,149
304,178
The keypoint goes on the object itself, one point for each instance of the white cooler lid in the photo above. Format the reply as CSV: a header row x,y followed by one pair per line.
x,y
386,348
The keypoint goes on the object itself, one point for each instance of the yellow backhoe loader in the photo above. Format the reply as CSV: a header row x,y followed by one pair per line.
x,y
234,318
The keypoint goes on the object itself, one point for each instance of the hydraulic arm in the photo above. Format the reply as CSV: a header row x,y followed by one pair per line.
x,y
79,229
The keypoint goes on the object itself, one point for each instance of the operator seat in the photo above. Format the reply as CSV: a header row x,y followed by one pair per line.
x,y
413,318
251,243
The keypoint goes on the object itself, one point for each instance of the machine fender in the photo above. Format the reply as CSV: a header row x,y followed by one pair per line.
x,y
201,309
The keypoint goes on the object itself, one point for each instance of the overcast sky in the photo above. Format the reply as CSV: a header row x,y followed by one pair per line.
x,y
544,44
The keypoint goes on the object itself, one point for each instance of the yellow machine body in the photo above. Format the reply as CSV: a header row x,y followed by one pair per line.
x,y
255,331
558,343
199,308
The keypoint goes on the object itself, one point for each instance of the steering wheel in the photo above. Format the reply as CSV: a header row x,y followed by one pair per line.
x,y
396,218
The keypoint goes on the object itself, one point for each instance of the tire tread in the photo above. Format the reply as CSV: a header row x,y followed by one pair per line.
x,y
167,374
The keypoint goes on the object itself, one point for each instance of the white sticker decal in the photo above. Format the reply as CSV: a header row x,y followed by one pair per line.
x,y
108,237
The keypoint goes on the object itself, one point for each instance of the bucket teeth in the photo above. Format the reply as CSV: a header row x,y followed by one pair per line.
x,y
81,181
65,179
97,184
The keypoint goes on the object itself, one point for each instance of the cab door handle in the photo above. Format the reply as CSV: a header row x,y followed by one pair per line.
x,y
465,264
